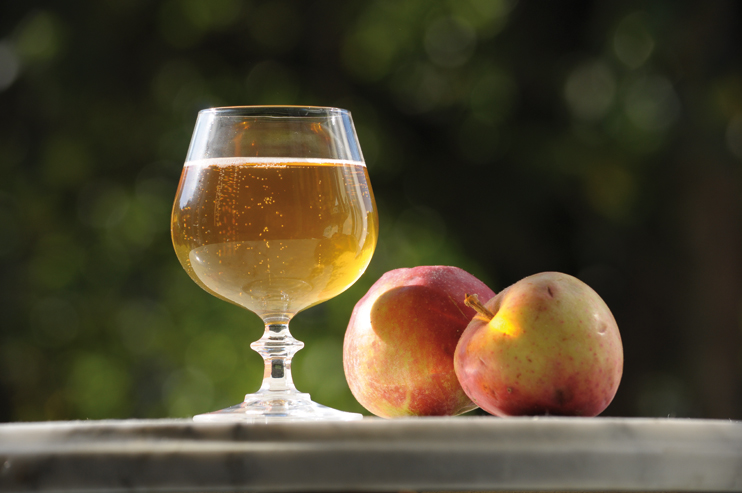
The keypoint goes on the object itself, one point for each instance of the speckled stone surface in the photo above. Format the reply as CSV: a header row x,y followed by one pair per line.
x,y
424,454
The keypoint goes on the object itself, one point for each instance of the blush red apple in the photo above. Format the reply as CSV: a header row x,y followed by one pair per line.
x,y
548,344
399,345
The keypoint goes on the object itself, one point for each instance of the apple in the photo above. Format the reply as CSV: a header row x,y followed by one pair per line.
x,y
399,345
548,344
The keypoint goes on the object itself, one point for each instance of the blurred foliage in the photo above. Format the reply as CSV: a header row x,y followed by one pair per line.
x,y
601,139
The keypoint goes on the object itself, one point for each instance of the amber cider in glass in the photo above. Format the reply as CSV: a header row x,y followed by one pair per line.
x,y
274,235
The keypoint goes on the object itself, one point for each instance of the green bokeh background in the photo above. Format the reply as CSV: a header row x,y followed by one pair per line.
x,y
601,139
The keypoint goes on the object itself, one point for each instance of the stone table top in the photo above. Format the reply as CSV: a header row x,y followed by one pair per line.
x,y
374,455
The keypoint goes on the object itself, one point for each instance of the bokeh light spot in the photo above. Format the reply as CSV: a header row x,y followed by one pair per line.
x,y
369,51
632,41
449,42
103,204
137,227
98,386
214,14
9,66
40,38
486,16
590,90
143,324
420,88
651,103
493,95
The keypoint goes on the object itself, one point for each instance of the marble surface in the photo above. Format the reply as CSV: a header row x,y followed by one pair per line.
x,y
422,454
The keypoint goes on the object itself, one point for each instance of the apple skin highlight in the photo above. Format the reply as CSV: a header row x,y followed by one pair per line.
x,y
552,347
399,346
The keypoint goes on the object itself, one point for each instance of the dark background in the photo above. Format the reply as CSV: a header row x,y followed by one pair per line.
x,y
601,139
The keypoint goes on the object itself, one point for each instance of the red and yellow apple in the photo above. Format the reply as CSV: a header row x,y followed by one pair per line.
x,y
548,344
399,345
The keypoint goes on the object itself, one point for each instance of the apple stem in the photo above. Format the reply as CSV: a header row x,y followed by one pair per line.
x,y
472,301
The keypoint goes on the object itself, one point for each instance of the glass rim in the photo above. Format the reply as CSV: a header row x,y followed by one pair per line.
x,y
275,110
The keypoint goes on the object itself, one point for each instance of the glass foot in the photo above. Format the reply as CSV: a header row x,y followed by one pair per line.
x,y
277,407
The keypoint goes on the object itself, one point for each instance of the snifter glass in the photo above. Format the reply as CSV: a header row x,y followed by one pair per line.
x,y
274,212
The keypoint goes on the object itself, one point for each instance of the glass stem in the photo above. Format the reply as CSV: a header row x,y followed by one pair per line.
x,y
277,347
